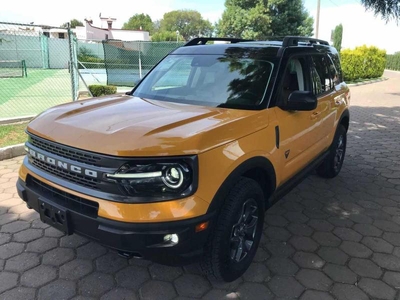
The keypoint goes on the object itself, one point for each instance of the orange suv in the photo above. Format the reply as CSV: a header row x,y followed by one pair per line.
x,y
183,167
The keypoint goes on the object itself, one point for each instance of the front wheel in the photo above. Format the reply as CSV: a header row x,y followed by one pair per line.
x,y
333,163
233,244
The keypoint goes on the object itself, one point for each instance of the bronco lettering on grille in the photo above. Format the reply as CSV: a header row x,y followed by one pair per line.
x,y
62,164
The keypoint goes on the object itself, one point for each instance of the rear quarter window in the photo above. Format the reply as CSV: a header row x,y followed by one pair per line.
x,y
336,61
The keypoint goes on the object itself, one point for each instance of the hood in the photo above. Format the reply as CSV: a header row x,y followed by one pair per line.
x,y
127,126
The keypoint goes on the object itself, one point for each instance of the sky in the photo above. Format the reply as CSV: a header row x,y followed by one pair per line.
x,y
360,26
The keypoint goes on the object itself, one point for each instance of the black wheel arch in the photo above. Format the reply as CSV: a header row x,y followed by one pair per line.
x,y
345,119
258,168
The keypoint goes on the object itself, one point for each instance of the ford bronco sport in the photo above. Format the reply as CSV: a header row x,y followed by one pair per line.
x,y
184,166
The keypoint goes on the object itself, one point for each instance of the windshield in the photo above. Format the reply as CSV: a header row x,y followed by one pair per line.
x,y
209,80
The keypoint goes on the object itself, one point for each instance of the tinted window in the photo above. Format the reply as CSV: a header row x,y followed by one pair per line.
x,y
323,77
210,80
295,78
336,61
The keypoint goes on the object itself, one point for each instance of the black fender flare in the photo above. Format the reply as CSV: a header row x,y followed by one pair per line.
x,y
258,162
345,114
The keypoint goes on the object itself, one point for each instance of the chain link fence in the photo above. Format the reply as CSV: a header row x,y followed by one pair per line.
x,y
127,62
43,66
34,69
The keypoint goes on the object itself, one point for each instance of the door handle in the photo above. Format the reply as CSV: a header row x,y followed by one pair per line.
x,y
338,102
315,115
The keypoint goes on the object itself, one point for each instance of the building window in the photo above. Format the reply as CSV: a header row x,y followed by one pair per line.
x,y
61,35
46,34
106,36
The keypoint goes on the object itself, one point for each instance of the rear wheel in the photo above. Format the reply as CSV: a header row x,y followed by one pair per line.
x,y
333,163
233,243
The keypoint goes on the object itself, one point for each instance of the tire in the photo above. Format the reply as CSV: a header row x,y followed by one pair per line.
x,y
333,163
221,262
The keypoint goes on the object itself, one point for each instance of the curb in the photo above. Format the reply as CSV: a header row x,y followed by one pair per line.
x,y
6,121
12,151
368,82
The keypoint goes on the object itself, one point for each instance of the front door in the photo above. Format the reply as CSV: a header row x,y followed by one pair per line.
x,y
297,129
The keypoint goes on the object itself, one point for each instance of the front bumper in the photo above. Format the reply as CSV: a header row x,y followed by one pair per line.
x,y
140,239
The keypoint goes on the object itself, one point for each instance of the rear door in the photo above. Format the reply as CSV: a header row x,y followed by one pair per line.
x,y
323,73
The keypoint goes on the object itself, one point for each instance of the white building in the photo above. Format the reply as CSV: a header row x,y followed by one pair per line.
x,y
91,32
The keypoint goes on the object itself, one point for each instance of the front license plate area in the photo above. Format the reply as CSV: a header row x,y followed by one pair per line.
x,y
55,216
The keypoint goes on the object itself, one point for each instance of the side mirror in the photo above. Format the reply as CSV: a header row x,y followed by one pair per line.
x,y
301,100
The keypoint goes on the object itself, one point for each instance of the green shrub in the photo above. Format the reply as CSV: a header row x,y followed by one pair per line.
x,y
393,62
166,36
363,63
89,59
101,90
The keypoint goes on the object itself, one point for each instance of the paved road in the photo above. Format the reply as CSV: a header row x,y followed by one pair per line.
x,y
328,239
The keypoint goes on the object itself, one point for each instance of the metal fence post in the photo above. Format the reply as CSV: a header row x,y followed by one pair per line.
x,y
71,62
140,61
44,44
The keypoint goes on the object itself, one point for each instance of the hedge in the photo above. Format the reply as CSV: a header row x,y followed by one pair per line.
x,y
363,63
393,62
101,90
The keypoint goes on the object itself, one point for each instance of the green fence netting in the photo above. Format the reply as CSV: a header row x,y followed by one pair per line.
x,y
127,62
47,78
43,66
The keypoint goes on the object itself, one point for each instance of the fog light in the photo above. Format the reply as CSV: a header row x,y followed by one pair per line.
x,y
172,238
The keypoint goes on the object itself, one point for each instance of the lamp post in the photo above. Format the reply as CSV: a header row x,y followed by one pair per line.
x,y
317,21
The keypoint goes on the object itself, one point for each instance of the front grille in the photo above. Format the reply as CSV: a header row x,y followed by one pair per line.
x,y
64,199
66,152
65,174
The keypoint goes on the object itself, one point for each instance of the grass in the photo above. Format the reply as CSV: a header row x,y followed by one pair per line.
x,y
12,134
31,95
11,86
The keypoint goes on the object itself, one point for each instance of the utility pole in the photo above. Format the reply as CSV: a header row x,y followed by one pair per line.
x,y
317,21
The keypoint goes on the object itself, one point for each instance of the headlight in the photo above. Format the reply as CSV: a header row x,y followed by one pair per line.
x,y
169,179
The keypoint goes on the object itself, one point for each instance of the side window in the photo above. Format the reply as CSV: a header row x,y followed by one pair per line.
x,y
295,78
336,62
323,78
333,73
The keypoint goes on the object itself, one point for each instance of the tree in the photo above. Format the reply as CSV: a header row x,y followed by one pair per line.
x,y
245,20
156,25
289,17
337,37
73,23
166,36
139,20
259,19
387,9
189,23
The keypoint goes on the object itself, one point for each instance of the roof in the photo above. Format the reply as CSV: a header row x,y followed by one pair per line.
x,y
112,29
248,48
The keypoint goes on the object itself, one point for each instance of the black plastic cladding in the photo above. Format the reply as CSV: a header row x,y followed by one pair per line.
x,y
69,201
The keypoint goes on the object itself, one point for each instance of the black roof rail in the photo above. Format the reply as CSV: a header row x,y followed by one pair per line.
x,y
204,40
289,41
